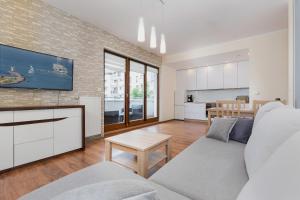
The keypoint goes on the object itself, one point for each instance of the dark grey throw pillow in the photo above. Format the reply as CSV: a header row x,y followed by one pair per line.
x,y
221,128
242,130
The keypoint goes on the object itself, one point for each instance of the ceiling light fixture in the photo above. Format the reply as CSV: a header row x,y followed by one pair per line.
x,y
163,48
141,30
141,26
153,37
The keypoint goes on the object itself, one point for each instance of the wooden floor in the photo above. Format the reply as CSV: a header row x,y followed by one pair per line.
x,y
17,182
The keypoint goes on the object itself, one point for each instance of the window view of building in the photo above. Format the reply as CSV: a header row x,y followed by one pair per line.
x,y
136,110
115,68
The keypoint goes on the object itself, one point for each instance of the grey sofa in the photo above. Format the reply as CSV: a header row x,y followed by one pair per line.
x,y
193,174
213,170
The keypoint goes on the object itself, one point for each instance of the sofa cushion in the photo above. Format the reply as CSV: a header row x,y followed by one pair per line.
x,y
111,190
242,129
105,171
271,131
221,128
265,109
278,178
206,170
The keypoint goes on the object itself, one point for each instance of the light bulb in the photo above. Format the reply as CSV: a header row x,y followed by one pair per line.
x,y
153,38
163,48
141,30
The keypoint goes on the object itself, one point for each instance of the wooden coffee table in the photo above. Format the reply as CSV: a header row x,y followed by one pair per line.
x,y
141,150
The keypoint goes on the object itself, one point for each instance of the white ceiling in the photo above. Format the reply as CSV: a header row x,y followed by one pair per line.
x,y
189,24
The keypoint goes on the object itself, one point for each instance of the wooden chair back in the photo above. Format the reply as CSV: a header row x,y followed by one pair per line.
x,y
259,103
230,108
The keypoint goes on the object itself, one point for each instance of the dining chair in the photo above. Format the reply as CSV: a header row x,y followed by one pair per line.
x,y
259,103
229,108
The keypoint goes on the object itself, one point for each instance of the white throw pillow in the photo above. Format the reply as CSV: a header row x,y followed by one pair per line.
x,y
279,177
272,130
265,109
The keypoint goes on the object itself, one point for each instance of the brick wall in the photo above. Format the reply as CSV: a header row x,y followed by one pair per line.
x,y
37,26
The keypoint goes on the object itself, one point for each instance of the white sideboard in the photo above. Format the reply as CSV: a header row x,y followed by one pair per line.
x,y
28,134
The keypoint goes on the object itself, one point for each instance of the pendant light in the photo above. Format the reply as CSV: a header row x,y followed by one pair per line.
x,y
163,48
141,30
153,38
141,37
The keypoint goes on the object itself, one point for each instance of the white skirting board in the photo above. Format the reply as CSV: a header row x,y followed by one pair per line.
x,y
92,115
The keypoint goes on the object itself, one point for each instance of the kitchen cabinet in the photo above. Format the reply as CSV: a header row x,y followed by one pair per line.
x,y
195,111
230,75
179,112
180,87
243,74
180,80
215,77
179,97
201,78
190,79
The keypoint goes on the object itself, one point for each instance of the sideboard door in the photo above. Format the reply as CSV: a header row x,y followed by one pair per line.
x,y
6,141
67,132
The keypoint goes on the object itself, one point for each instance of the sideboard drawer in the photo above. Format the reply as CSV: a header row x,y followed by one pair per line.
x,y
67,112
6,117
33,132
32,151
31,115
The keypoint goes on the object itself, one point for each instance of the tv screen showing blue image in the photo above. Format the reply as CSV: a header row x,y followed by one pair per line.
x,y
20,68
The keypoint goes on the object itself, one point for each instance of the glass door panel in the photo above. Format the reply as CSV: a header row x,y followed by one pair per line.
x,y
136,87
115,69
152,92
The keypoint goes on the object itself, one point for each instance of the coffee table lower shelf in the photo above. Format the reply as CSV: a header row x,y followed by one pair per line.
x,y
129,160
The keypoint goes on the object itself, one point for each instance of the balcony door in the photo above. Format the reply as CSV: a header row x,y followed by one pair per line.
x,y
136,87
131,92
115,90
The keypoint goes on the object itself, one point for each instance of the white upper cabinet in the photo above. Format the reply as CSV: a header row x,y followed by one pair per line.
x,y
215,76
180,80
180,87
179,97
225,76
230,75
243,74
202,78
191,79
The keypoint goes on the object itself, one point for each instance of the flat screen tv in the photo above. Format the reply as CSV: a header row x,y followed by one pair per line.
x,y
20,68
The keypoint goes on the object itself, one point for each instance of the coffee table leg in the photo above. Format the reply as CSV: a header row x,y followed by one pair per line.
x,y
108,151
168,151
142,159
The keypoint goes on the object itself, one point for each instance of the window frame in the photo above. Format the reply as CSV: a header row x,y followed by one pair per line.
x,y
127,122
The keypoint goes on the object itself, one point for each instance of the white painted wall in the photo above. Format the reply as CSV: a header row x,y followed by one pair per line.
x,y
268,62
167,83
